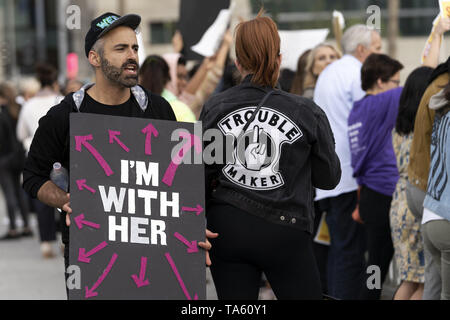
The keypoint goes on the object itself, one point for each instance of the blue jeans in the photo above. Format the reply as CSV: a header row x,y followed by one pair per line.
x,y
346,259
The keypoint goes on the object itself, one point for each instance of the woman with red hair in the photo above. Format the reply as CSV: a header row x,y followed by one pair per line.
x,y
260,199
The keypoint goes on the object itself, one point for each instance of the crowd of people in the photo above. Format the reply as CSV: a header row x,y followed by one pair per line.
x,y
20,114
367,156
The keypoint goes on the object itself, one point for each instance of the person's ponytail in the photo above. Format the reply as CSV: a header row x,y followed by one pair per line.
x,y
258,49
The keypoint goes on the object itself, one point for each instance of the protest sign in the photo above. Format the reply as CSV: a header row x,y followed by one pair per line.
x,y
445,8
72,66
210,42
323,234
294,43
137,209
196,16
338,28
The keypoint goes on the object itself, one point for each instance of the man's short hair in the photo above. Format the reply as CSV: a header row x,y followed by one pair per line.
x,y
99,47
357,35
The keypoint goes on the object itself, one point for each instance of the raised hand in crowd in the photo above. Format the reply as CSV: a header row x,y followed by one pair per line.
x,y
432,50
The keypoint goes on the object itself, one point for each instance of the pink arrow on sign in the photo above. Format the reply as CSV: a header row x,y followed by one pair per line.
x,y
80,222
82,185
180,281
141,282
191,141
83,141
91,292
84,257
192,246
113,137
197,210
149,131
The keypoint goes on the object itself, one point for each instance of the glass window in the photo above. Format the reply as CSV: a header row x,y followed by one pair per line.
x,y
416,16
162,32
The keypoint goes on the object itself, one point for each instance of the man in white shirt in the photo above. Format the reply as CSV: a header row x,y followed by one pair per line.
x,y
338,87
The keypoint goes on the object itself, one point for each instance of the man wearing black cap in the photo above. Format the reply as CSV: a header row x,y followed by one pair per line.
x,y
112,49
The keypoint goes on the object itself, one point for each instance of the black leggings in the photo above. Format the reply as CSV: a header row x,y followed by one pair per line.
x,y
247,246
374,209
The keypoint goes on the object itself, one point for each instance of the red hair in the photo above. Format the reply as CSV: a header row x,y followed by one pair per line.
x,y
258,49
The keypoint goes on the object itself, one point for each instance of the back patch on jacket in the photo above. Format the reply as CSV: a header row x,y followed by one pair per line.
x,y
257,152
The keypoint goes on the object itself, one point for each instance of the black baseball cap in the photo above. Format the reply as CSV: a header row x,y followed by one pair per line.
x,y
106,22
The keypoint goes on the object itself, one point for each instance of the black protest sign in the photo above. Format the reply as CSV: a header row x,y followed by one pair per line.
x,y
196,16
137,209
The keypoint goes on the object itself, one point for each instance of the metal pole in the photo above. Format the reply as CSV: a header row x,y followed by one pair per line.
x,y
3,52
393,27
40,30
11,38
63,46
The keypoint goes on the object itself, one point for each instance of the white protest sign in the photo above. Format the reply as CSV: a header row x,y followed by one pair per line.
x,y
210,42
445,8
340,18
295,43
141,51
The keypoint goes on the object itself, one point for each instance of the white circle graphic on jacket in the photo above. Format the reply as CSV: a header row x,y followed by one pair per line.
x,y
257,154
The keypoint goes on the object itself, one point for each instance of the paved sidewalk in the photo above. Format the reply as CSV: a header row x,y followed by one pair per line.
x,y
25,275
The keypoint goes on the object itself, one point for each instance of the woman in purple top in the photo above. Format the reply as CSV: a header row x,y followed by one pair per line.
x,y
371,122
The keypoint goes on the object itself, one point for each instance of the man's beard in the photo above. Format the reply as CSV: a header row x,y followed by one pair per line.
x,y
115,74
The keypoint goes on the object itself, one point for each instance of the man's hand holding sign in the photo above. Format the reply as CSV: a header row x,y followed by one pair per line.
x,y
134,212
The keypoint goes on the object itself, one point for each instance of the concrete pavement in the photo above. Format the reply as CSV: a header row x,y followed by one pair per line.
x,y
25,275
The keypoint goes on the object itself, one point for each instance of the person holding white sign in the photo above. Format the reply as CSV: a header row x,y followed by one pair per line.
x,y
196,90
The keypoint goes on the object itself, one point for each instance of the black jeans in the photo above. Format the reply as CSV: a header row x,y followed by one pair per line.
x,y
374,209
247,246
15,198
346,253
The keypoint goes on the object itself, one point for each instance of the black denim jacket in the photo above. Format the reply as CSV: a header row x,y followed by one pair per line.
x,y
286,151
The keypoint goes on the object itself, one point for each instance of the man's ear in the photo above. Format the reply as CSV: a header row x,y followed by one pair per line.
x,y
360,50
94,59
